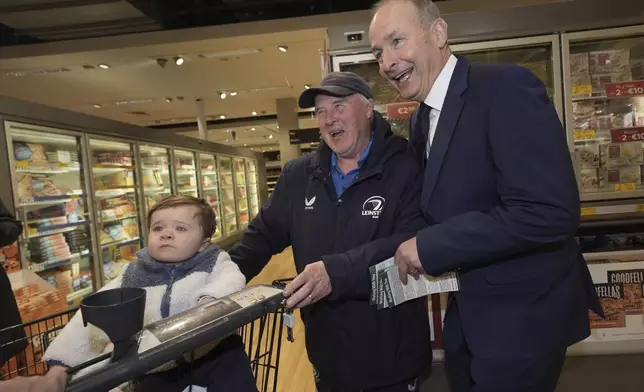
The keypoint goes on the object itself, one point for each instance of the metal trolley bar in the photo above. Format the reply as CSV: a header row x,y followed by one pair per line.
x,y
136,365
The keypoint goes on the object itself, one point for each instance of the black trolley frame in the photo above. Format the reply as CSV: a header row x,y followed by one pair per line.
x,y
262,340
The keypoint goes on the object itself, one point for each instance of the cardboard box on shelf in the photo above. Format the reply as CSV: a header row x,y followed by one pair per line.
x,y
621,154
579,64
35,297
609,61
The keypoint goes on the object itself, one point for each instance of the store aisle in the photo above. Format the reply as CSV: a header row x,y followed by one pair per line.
x,y
295,371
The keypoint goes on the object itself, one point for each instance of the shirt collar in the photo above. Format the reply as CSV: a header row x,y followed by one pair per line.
x,y
437,94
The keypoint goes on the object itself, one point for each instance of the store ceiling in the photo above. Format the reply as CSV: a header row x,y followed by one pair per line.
x,y
136,89
262,136
27,21
51,52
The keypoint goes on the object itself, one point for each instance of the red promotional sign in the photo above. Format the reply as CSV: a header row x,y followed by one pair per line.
x,y
401,110
625,89
627,135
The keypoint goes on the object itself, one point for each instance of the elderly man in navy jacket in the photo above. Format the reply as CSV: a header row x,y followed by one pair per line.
x,y
501,199
349,205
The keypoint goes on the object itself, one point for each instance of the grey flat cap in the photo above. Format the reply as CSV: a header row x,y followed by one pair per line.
x,y
336,84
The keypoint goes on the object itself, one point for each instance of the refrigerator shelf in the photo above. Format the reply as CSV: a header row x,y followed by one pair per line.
x,y
78,294
120,242
55,229
111,220
47,265
27,201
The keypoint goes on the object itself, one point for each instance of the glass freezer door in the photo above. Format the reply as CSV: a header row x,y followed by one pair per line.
x,y
210,188
241,192
186,171
155,172
605,83
117,206
253,190
539,54
229,213
52,205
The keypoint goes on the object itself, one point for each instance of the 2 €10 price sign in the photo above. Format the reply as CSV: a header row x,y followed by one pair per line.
x,y
626,89
401,110
627,135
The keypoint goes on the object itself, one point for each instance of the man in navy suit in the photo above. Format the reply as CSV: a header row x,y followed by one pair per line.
x,y
501,202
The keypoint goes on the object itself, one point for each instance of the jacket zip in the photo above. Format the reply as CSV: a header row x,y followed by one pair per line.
x,y
167,296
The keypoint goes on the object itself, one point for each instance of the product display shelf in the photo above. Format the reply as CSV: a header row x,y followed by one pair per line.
x,y
210,188
241,192
155,175
52,205
117,206
253,187
227,186
186,171
605,87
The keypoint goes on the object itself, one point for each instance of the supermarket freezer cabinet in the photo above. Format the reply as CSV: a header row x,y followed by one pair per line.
x,y
604,81
82,186
51,183
604,86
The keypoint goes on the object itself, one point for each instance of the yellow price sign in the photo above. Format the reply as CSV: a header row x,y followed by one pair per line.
x,y
22,164
588,211
639,208
624,187
584,134
584,89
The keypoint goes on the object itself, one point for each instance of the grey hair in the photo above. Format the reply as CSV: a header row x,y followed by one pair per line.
x,y
364,99
428,11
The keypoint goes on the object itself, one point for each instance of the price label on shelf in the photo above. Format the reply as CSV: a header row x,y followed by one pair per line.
x,y
584,134
639,208
624,187
588,211
582,90
26,200
64,156
627,135
401,110
627,89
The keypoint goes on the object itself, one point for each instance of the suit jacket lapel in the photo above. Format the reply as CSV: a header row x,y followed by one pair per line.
x,y
445,128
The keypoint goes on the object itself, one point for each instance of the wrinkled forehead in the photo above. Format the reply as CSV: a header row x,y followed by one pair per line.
x,y
322,100
395,17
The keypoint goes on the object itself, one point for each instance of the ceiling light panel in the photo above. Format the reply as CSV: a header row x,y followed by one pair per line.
x,y
33,72
229,53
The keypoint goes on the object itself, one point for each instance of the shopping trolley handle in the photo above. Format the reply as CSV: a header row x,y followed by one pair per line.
x,y
185,332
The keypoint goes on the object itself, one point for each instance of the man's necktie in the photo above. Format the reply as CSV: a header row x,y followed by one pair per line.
x,y
423,116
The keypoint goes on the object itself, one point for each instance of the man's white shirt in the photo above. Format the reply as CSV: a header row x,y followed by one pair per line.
x,y
436,98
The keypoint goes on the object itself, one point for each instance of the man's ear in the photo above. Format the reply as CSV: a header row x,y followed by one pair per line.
x,y
369,109
439,30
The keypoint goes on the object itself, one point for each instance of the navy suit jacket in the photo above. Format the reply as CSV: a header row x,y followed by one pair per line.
x,y
502,204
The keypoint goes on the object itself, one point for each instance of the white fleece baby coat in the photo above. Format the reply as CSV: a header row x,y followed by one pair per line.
x,y
170,289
